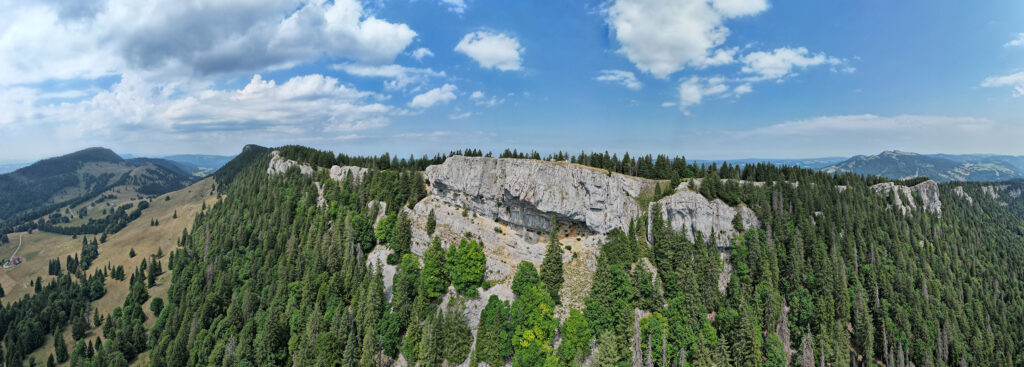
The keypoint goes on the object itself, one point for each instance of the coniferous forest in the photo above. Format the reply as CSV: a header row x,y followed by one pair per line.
x,y
835,276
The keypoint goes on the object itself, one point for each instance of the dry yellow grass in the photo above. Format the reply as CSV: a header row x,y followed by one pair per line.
x,y
39,247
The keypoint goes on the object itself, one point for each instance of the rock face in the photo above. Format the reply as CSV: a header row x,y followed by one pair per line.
x,y
280,165
928,191
527,193
338,173
687,211
959,190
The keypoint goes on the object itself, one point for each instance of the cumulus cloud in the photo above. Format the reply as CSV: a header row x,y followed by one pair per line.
x,y
401,76
781,62
430,98
301,105
664,36
1015,81
1017,42
60,40
492,50
421,52
693,91
625,78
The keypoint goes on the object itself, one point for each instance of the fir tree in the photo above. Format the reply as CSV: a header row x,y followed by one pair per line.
x,y
551,267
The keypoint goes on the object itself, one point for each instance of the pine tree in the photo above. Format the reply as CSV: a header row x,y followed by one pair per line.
x,y
466,265
433,278
493,338
607,350
551,267
526,276
59,347
431,223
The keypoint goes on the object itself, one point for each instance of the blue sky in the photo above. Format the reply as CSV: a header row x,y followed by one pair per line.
x,y
707,79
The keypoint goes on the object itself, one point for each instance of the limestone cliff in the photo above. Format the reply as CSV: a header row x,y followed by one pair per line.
x,y
928,191
527,193
687,211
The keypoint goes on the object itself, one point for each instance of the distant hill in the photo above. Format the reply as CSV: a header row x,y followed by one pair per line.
x,y
200,164
810,163
69,180
901,165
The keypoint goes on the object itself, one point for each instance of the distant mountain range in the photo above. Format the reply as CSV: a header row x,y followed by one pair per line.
x,y
69,180
939,167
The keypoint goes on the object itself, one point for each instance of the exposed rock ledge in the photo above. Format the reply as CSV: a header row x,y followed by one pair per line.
x,y
279,165
527,193
687,211
927,190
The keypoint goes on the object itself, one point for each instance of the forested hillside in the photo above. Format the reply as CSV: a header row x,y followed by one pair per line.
x,y
834,276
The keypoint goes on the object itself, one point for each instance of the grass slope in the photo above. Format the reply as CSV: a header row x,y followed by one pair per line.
x,y
39,247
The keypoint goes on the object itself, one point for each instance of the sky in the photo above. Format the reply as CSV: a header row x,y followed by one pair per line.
x,y
711,79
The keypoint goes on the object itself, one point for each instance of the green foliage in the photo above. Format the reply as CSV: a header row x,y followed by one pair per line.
x,y
576,335
551,267
434,277
494,340
526,277
534,324
60,348
431,223
466,264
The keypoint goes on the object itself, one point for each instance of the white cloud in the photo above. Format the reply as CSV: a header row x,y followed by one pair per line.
x,y
444,94
401,76
492,50
480,99
422,52
742,89
460,116
303,104
1015,81
693,91
625,78
42,41
781,62
457,6
1017,42
664,36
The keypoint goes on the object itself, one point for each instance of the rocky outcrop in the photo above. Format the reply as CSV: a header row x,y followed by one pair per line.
x,y
959,190
338,173
928,191
527,193
280,165
688,211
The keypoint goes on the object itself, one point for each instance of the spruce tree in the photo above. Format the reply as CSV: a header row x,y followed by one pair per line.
x,y
431,223
551,267
493,338
60,348
526,277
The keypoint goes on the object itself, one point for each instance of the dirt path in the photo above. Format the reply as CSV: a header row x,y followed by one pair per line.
x,y
16,250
